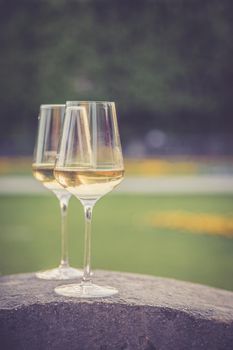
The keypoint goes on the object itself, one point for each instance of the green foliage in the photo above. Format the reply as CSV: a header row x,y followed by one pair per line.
x,y
168,63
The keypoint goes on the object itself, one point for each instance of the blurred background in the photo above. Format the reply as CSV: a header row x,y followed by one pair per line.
x,y
168,66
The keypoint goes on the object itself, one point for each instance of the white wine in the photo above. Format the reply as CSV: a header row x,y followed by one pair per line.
x,y
89,183
44,173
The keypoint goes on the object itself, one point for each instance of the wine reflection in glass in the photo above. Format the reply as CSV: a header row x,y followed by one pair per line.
x,y
51,119
89,165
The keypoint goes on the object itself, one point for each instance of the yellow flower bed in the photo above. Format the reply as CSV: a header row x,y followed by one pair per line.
x,y
138,167
157,167
211,224
134,167
11,165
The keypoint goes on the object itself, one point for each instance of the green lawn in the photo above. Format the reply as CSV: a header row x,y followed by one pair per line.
x,y
122,239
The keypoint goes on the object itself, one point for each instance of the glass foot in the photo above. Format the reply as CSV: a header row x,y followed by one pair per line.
x,y
86,290
60,273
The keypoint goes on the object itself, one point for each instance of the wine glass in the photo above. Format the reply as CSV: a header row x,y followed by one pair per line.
x,y
89,165
51,119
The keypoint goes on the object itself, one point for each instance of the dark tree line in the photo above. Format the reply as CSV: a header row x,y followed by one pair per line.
x,y
167,64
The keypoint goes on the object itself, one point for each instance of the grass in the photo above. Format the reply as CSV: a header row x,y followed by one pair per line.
x,y
123,239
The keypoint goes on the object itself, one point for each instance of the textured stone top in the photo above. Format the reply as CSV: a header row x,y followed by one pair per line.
x,y
134,289
147,311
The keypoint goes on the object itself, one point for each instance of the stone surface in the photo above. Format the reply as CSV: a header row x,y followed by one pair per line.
x,y
148,314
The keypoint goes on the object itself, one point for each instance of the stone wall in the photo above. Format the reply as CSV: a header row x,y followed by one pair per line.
x,y
148,314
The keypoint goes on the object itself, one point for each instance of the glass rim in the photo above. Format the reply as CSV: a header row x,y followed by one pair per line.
x,y
52,105
98,102
75,107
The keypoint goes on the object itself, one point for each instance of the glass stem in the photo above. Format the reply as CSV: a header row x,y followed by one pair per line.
x,y
64,200
87,243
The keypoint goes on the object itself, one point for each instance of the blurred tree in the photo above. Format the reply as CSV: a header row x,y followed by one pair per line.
x,y
167,64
